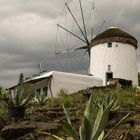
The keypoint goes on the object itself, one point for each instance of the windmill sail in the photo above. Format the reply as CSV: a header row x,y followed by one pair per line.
x,y
75,28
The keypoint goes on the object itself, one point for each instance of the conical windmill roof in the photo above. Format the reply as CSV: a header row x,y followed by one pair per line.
x,y
114,34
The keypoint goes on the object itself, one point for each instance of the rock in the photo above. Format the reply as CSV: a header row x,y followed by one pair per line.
x,y
26,131
113,115
131,122
47,127
56,109
2,123
28,136
132,135
111,124
14,131
53,114
40,110
75,119
60,109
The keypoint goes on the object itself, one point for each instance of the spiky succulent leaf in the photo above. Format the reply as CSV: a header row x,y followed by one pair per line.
x,y
85,130
101,137
26,99
66,114
40,98
87,120
90,110
115,106
117,125
52,135
101,120
70,130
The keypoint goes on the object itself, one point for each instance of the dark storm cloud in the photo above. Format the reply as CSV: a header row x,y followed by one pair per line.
x,y
46,8
28,30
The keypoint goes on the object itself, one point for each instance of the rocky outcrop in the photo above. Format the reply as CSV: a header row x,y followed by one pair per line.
x,y
2,123
14,131
20,131
132,135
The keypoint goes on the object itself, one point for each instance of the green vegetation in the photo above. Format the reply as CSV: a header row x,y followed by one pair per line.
x,y
64,97
91,128
21,79
78,118
3,112
41,98
18,98
126,97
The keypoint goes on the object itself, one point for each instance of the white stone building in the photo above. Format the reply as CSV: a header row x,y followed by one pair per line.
x,y
52,82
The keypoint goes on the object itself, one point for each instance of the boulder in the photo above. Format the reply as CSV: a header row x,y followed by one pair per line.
x,y
2,123
22,131
16,130
132,135
47,127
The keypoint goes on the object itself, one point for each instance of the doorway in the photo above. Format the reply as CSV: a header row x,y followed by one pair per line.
x,y
109,75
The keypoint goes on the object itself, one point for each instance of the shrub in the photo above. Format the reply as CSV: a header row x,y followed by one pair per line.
x,y
91,128
125,96
41,98
65,98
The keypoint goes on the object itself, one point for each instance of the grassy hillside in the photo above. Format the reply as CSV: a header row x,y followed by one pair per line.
x,y
47,117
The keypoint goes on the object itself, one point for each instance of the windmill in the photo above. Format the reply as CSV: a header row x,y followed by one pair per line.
x,y
84,35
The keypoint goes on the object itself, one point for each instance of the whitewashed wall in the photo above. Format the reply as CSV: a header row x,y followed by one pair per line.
x,y
121,57
72,82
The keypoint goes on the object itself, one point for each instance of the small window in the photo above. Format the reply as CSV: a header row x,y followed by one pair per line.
x,y
45,90
109,67
109,76
109,44
38,91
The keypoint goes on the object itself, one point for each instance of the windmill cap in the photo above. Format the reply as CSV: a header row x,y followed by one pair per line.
x,y
114,34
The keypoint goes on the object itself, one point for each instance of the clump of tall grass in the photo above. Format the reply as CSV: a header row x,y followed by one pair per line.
x,y
68,99
126,97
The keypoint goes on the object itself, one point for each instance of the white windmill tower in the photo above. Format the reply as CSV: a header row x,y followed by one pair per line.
x,y
113,55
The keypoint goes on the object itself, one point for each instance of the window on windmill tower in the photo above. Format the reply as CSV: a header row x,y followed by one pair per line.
x,y
109,67
109,44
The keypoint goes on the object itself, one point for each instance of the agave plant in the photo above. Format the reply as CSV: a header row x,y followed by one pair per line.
x,y
91,128
17,98
41,98
20,96
16,101
3,95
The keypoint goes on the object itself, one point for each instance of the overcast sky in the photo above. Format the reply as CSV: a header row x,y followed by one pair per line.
x,y
28,32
